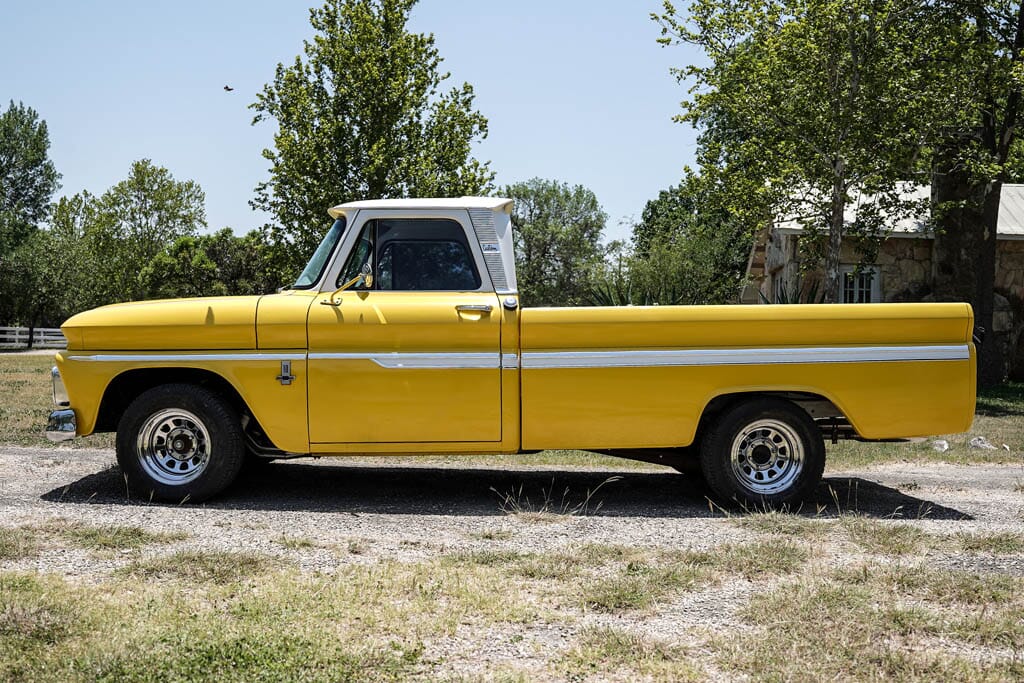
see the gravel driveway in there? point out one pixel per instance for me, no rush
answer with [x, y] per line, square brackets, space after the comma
[406, 510]
[330, 514]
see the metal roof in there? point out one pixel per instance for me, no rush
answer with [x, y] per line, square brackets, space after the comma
[493, 203]
[1011, 214]
[1011, 211]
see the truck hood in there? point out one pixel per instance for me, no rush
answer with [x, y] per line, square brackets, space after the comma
[226, 322]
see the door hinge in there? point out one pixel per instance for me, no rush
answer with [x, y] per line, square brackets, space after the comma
[286, 376]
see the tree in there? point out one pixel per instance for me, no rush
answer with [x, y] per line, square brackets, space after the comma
[360, 115]
[244, 264]
[28, 274]
[976, 155]
[688, 249]
[209, 265]
[133, 221]
[557, 233]
[28, 178]
[820, 106]
[181, 269]
[78, 260]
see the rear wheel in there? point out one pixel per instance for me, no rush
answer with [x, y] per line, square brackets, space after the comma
[764, 451]
[179, 442]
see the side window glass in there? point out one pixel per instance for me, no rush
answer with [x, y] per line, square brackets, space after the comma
[361, 254]
[424, 255]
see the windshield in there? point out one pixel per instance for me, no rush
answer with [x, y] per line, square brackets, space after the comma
[315, 268]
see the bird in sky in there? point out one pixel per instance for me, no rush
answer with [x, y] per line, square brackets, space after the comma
[228, 88]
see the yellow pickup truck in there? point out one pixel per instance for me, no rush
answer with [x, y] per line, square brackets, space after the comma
[404, 335]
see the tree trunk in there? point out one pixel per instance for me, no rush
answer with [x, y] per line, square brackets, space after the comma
[991, 355]
[833, 290]
[965, 214]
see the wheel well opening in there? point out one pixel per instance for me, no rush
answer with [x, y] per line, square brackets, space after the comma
[127, 386]
[823, 411]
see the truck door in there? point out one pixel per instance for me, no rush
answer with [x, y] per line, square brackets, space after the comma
[411, 354]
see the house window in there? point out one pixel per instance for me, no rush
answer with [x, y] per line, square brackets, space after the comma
[861, 287]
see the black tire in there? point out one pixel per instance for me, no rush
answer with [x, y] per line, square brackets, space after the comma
[763, 452]
[179, 443]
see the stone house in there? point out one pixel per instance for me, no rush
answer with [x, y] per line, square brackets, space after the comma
[902, 270]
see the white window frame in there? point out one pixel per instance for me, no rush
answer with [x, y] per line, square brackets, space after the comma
[875, 289]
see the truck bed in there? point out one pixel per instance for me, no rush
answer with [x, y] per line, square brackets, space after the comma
[640, 377]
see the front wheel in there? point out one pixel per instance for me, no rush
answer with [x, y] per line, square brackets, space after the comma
[765, 451]
[179, 442]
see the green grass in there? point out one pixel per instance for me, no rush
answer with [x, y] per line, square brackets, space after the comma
[237, 616]
[291, 630]
[600, 651]
[213, 616]
[105, 537]
[297, 543]
[1003, 543]
[491, 535]
[218, 567]
[27, 541]
[778, 523]
[880, 622]
[759, 561]
[612, 578]
[884, 537]
[17, 544]
[879, 537]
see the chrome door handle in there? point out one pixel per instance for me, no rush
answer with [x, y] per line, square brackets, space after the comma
[482, 308]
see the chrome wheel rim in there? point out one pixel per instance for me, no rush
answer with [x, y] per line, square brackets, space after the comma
[767, 456]
[173, 446]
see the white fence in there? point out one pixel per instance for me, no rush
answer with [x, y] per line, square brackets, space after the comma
[42, 338]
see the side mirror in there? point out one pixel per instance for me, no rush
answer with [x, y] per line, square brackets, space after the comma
[364, 279]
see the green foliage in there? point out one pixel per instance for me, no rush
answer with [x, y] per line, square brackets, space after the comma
[27, 181]
[30, 293]
[361, 115]
[181, 269]
[814, 109]
[95, 247]
[557, 233]
[975, 155]
[209, 265]
[677, 210]
[138, 240]
[136, 218]
[28, 178]
[803, 292]
[687, 250]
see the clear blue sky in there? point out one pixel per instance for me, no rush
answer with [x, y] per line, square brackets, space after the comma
[575, 90]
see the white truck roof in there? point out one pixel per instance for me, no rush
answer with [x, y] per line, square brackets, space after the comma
[492, 203]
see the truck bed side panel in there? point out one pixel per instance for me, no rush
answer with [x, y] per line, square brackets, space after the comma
[641, 377]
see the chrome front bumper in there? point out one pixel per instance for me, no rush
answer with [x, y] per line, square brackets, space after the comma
[61, 426]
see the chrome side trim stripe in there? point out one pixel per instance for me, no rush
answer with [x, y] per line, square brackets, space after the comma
[790, 355]
[419, 361]
[186, 357]
[579, 359]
